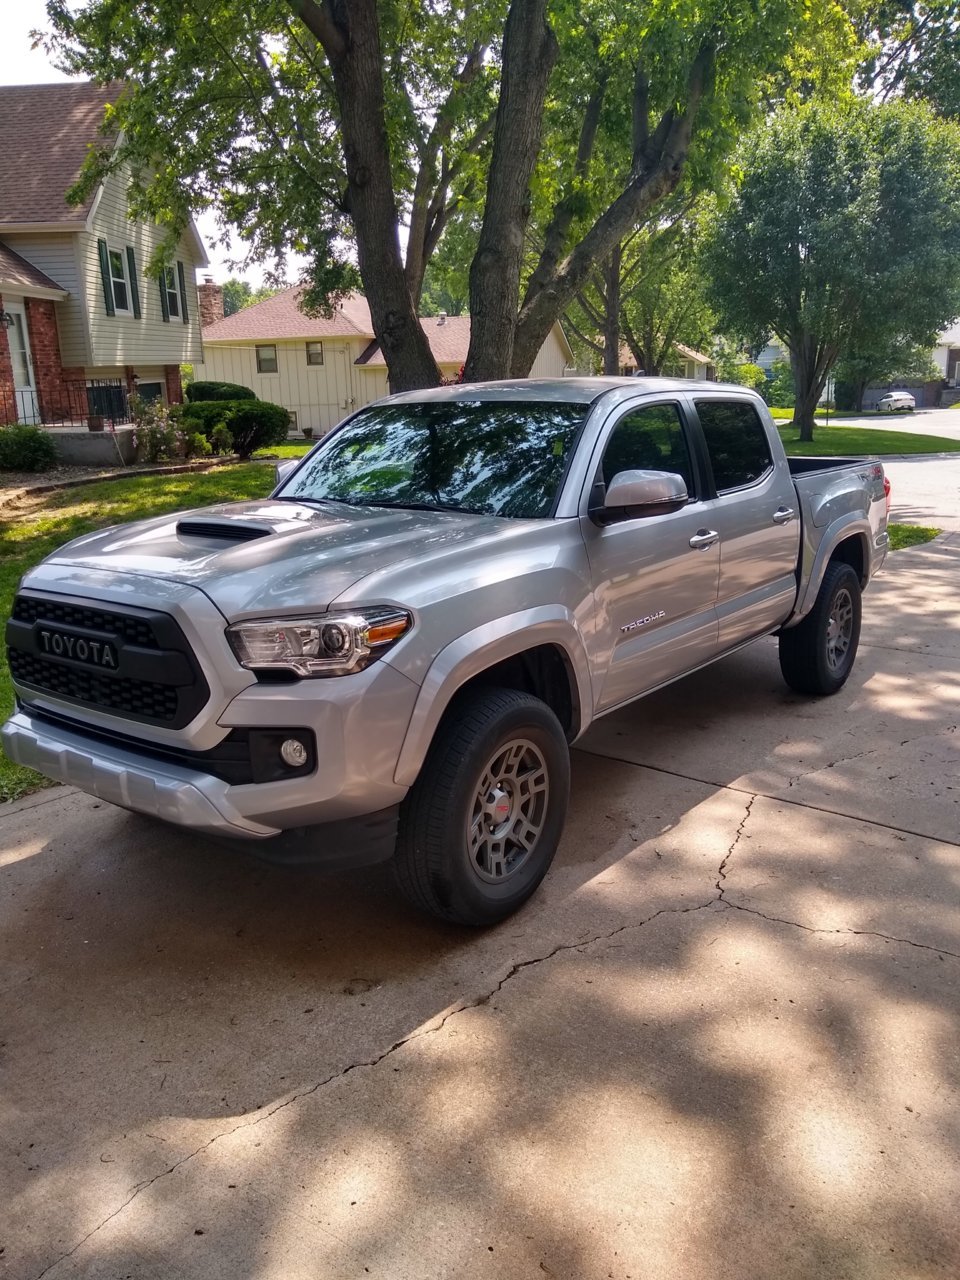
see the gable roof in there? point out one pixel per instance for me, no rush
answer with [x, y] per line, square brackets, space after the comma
[688, 353]
[17, 275]
[449, 342]
[45, 133]
[281, 317]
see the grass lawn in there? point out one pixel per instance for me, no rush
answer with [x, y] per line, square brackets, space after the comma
[832, 442]
[291, 450]
[26, 539]
[909, 535]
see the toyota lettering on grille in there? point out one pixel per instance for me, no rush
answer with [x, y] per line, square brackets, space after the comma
[92, 653]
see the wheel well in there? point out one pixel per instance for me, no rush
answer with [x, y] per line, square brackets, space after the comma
[546, 673]
[851, 552]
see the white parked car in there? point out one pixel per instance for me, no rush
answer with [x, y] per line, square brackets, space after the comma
[897, 402]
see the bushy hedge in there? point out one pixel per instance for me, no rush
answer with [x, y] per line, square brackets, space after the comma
[253, 424]
[201, 391]
[24, 448]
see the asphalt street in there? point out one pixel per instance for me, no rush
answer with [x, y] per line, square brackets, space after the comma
[720, 1044]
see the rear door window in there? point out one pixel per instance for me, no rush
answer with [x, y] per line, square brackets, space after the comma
[736, 442]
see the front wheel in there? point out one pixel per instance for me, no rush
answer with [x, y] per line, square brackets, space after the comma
[817, 655]
[481, 824]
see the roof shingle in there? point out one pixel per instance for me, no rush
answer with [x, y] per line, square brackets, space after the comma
[45, 133]
[281, 317]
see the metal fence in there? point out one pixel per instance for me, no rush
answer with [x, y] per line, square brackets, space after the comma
[92, 402]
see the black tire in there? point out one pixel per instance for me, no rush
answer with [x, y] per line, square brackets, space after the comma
[817, 655]
[437, 868]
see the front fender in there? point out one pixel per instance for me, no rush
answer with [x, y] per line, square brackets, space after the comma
[476, 651]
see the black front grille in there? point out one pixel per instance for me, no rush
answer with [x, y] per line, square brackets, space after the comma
[135, 630]
[140, 698]
[156, 679]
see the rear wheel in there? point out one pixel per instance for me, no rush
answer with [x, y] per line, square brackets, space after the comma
[817, 655]
[481, 825]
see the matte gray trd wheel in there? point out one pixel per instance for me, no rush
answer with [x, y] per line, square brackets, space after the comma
[818, 654]
[480, 826]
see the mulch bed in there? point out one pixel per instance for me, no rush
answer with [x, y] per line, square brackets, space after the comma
[17, 487]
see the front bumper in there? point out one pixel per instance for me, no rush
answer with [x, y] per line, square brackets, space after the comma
[188, 798]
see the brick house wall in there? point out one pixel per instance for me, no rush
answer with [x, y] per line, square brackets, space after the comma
[50, 377]
[172, 384]
[8, 401]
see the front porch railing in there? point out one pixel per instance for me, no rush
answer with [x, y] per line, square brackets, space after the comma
[94, 401]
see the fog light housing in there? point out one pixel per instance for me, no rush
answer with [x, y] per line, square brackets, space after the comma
[294, 753]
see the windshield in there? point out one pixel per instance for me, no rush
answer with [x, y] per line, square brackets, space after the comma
[483, 456]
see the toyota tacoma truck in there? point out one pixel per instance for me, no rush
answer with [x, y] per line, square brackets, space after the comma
[391, 656]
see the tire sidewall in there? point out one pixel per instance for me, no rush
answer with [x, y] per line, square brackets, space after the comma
[480, 899]
[838, 577]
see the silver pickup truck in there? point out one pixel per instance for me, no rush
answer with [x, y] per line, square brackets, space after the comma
[391, 655]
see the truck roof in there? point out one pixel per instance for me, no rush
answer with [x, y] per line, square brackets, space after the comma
[559, 390]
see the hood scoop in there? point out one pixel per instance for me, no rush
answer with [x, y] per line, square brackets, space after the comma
[222, 530]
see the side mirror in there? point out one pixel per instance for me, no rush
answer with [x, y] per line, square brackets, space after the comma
[631, 495]
[284, 468]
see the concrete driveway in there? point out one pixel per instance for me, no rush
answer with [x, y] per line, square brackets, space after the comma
[722, 1042]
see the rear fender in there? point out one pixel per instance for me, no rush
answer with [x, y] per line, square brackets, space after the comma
[475, 652]
[853, 525]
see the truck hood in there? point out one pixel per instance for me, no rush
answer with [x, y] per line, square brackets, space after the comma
[251, 558]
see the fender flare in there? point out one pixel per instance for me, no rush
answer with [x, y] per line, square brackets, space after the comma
[477, 650]
[852, 525]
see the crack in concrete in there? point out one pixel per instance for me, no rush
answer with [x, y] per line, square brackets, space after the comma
[859, 933]
[777, 797]
[418, 1034]
[738, 835]
[870, 751]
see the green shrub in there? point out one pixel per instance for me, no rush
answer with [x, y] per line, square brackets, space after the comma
[194, 444]
[252, 424]
[256, 424]
[749, 375]
[221, 439]
[156, 440]
[779, 389]
[208, 415]
[200, 391]
[24, 448]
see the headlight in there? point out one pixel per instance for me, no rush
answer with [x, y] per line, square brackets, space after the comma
[332, 644]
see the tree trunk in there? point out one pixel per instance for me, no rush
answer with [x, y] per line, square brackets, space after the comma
[611, 314]
[529, 52]
[860, 393]
[809, 379]
[350, 35]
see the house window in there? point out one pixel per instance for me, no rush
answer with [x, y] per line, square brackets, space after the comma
[118, 281]
[314, 353]
[169, 286]
[267, 359]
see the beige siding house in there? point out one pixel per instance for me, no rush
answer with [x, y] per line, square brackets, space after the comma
[84, 319]
[321, 369]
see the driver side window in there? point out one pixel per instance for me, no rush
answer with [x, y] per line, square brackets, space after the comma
[649, 439]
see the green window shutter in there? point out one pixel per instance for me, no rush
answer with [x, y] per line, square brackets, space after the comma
[164, 308]
[134, 287]
[105, 277]
[183, 293]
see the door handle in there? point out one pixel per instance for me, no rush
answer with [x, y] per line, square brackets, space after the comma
[704, 538]
[783, 515]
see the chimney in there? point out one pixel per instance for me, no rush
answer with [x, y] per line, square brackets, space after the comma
[211, 302]
[441, 318]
